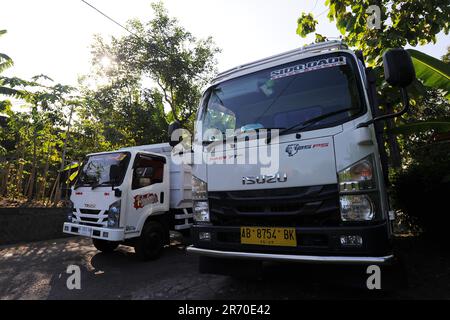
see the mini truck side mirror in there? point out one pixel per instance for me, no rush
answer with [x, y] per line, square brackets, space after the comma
[174, 126]
[399, 72]
[114, 172]
[398, 68]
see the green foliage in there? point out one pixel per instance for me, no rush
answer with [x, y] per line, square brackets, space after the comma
[431, 71]
[138, 84]
[412, 128]
[422, 188]
[306, 24]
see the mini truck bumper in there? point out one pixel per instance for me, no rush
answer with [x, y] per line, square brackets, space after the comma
[315, 245]
[94, 232]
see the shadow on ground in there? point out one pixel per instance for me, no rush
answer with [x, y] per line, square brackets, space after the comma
[38, 271]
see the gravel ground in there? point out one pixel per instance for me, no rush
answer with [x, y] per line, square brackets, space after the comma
[38, 271]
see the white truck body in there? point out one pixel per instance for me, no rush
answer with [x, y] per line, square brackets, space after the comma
[239, 206]
[169, 195]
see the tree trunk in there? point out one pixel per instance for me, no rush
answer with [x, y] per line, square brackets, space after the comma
[4, 180]
[19, 179]
[45, 173]
[31, 182]
[63, 156]
[394, 148]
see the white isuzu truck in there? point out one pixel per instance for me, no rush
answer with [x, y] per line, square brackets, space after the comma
[315, 110]
[133, 196]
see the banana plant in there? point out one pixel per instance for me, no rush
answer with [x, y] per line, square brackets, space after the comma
[433, 73]
[5, 63]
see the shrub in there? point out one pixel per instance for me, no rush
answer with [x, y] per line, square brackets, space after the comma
[422, 190]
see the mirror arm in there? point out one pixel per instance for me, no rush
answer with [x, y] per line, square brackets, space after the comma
[406, 108]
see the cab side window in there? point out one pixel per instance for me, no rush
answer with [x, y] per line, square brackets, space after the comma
[147, 171]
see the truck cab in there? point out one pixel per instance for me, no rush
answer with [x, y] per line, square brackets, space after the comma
[287, 161]
[133, 196]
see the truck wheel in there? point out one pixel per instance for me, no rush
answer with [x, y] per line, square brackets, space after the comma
[150, 244]
[105, 246]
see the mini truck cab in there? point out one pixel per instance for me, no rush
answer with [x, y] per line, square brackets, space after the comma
[326, 200]
[133, 196]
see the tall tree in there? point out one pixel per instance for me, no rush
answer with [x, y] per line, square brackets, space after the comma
[402, 22]
[177, 65]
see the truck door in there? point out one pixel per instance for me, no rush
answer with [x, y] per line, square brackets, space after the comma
[148, 188]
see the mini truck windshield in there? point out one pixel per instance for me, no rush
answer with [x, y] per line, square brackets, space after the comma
[96, 169]
[286, 96]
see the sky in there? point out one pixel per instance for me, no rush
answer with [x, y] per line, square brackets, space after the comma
[53, 36]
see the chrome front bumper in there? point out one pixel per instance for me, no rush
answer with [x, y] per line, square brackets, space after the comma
[290, 258]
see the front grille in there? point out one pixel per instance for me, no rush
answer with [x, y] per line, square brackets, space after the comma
[89, 211]
[92, 217]
[293, 207]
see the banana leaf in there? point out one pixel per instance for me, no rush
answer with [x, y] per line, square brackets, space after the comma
[432, 72]
[410, 128]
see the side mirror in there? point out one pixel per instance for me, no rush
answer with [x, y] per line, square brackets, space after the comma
[114, 172]
[398, 68]
[399, 72]
[174, 126]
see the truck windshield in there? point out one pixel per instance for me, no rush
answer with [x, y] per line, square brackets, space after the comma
[285, 96]
[96, 169]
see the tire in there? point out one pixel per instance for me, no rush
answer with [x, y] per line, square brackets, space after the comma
[105, 246]
[150, 244]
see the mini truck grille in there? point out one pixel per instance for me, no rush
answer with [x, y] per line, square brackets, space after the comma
[293, 207]
[91, 217]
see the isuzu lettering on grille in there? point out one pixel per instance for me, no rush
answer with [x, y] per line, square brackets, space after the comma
[278, 178]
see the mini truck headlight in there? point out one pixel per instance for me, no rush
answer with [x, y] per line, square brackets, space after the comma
[357, 208]
[358, 177]
[199, 189]
[114, 215]
[70, 211]
[357, 187]
[200, 200]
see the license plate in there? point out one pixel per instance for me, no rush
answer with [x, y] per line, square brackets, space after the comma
[85, 231]
[284, 237]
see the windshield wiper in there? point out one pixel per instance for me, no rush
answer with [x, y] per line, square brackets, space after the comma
[305, 124]
[237, 135]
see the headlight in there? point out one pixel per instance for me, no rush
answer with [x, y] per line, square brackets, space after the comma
[200, 200]
[201, 211]
[114, 215]
[199, 189]
[358, 177]
[357, 208]
[359, 199]
[70, 211]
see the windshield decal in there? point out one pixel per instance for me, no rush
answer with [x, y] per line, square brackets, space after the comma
[142, 200]
[309, 66]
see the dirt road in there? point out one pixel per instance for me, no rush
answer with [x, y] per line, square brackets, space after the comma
[38, 271]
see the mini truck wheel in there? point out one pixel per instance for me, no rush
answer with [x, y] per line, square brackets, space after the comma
[105, 246]
[150, 244]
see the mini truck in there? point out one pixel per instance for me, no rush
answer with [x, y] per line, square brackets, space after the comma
[328, 201]
[133, 196]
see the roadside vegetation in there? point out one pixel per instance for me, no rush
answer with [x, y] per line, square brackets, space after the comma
[139, 83]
